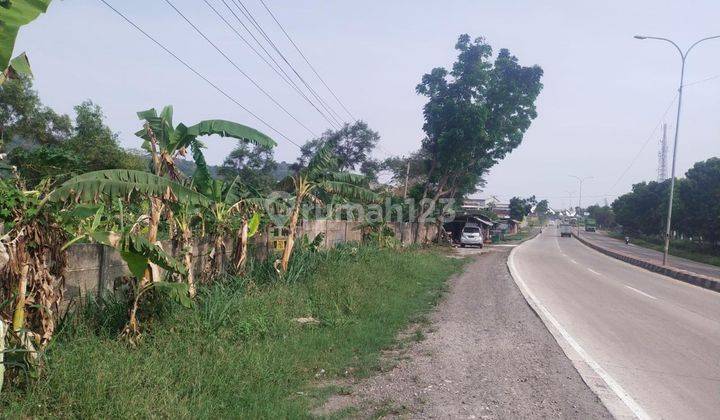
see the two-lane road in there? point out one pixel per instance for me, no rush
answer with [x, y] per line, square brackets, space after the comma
[655, 338]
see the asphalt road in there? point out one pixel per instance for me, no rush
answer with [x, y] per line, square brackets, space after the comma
[651, 254]
[654, 341]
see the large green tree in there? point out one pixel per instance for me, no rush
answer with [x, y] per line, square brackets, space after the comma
[521, 207]
[25, 120]
[643, 210]
[603, 215]
[352, 145]
[253, 163]
[699, 201]
[42, 143]
[476, 113]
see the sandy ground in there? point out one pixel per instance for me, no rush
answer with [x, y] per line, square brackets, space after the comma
[485, 354]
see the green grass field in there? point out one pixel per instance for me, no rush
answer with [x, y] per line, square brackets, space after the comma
[239, 353]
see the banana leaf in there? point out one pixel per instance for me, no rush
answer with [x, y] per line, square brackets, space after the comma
[230, 129]
[13, 15]
[118, 183]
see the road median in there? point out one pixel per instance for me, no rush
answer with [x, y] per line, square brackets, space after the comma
[696, 279]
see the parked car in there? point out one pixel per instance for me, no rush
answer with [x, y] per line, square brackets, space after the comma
[471, 235]
[565, 230]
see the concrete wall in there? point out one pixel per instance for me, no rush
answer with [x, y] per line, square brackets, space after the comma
[94, 268]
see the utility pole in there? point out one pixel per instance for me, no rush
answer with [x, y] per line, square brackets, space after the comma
[407, 178]
[683, 58]
[580, 180]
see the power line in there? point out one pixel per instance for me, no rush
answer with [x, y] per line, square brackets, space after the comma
[707, 79]
[307, 61]
[197, 73]
[248, 14]
[282, 75]
[202, 34]
[650, 137]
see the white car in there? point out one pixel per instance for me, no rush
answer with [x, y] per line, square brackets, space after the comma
[471, 235]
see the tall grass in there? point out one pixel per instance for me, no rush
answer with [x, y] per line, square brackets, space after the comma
[239, 352]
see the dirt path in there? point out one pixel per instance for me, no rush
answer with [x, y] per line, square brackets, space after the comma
[485, 355]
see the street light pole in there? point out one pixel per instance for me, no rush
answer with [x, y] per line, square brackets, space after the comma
[683, 57]
[580, 180]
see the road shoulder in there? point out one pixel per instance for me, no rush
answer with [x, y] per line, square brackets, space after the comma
[484, 353]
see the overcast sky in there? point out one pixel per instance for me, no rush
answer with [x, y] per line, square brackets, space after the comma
[605, 92]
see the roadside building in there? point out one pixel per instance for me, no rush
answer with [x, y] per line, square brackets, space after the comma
[455, 226]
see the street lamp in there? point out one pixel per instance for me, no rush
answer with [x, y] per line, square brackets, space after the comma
[580, 180]
[683, 57]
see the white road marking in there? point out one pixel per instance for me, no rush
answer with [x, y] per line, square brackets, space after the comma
[639, 412]
[573, 261]
[594, 272]
[641, 292]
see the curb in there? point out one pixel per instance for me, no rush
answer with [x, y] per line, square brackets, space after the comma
[676, 273]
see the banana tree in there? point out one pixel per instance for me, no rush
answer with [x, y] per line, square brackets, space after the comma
[230, 202]
[320, 175]
[166, 142]
[186, 215]
[140, 253]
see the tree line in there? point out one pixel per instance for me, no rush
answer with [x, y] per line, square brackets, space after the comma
[696, 208]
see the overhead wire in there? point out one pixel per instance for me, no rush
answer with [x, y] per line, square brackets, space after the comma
[307, 61]
[248, 15]
[647, 141]
[230, 60]
[278, 70]
[198, 74]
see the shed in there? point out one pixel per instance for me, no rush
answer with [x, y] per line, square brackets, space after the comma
[454, 227]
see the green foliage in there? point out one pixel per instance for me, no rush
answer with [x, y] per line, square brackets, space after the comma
[603, 215]
[351, 145]
[43, 144]
[239, 353]
[34, 165]
[25, 122]
[13, 203]
[542, 207]
[254, 164]
[644, 209]
[118, 183]
[521, 207]
[699, 201]
[172, 142]
[476, 114]
[13, 15]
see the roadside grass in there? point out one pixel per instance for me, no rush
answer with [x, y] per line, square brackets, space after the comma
[239, 353]
[522, 234]
[682, 249]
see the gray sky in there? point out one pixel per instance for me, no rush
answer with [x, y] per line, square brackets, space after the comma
[604, 91]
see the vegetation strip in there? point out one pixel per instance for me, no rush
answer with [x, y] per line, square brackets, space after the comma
[242, 351]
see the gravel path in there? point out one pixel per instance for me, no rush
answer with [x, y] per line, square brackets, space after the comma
[485, 355]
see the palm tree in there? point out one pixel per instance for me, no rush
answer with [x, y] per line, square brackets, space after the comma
[320, 175]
